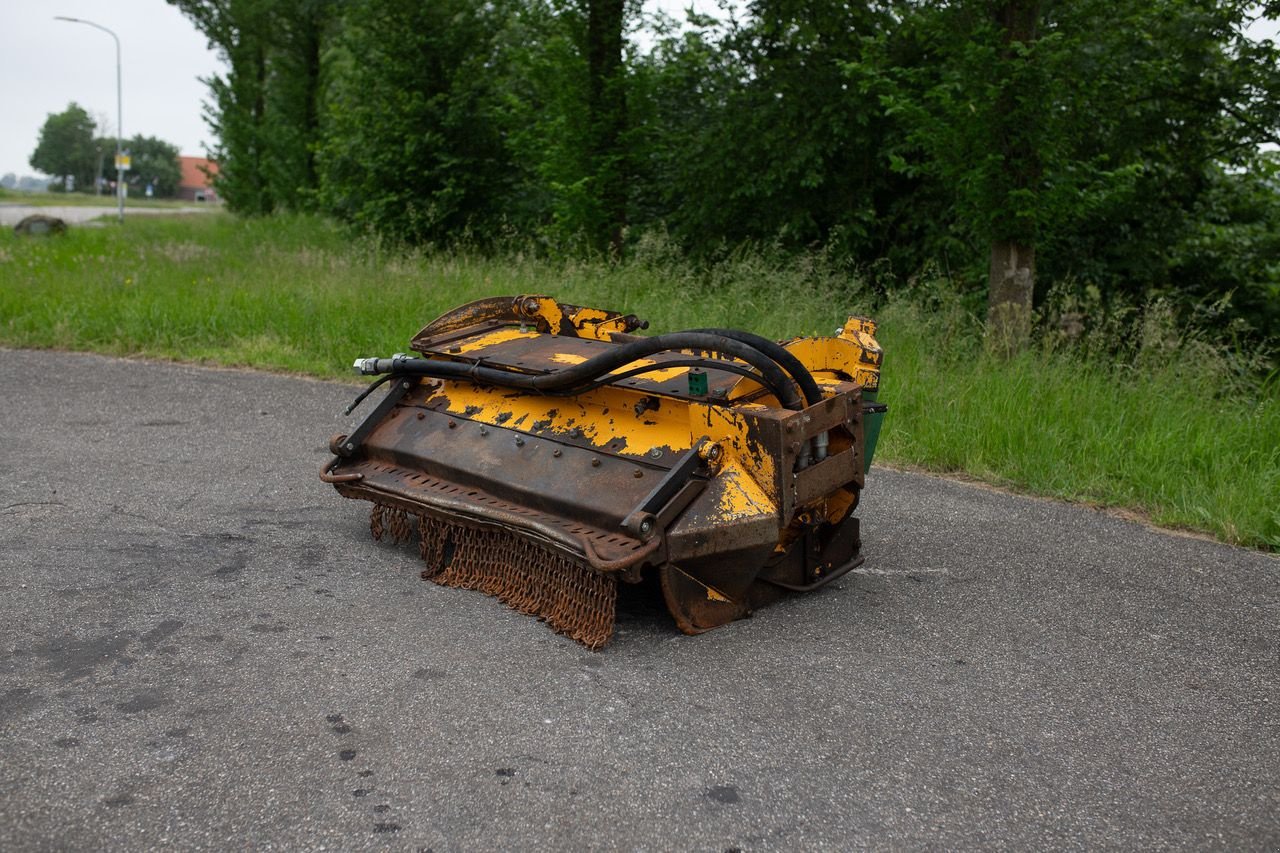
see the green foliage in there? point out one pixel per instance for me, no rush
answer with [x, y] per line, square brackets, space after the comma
[1120, 140]
[608, 163]
[413, 148]
[303, 32]
[541, 114]
[66, 146]
[240, 31]
[266, 110]
[152, 161]
[752, 131]
[565, 120]
[1110, 139]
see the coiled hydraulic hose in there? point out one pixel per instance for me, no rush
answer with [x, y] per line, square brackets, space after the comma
[794, 367]
[705, 363]
[594, 368]
[788, 362]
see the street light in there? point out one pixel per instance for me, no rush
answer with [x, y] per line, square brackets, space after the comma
[119, 108]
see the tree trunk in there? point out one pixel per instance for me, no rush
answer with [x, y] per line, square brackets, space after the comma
[1011, 282]
[1012, 277]
[607, 114]
[311, 118]
[259, 120]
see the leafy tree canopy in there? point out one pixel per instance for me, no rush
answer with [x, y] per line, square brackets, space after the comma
[1117, 147]
[153, 162]
[66, 147]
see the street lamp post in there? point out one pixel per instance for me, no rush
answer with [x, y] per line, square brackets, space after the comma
[119, 109]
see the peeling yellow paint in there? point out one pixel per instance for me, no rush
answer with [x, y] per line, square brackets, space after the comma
[585, 318]
[723, 423]
[746, 482]
[498, 336]
[746, 474]
[661, 374]
[741, 497]
[853, 356]
[592, 323]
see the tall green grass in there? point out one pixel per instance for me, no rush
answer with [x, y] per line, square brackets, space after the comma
[1171, 430]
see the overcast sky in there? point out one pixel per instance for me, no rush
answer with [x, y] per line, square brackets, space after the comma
[47, 64]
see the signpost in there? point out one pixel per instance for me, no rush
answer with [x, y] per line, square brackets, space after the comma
[122, 159]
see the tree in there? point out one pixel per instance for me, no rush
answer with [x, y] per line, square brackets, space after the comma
[266, 110]
[239, 30]
[153, 162]
[752, 131]
[412, 147]
[66, 148]
[302, 32]
[1017, 143]
[1015, 128]
[607, 119]
[564, 89]
[1061, 133]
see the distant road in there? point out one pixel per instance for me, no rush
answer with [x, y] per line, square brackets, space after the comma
[12, 214]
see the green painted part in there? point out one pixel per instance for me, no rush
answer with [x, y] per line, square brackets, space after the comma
[871, 424]
[697, 383]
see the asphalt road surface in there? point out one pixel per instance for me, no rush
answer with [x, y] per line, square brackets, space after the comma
[201, 647]
[12, 214]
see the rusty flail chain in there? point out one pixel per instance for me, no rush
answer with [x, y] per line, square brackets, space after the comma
[571, 598]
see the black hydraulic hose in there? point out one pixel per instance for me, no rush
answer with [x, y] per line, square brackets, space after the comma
[708, 363]
[777, 352]
[593, 368]
[797, 370]
[596, 367]
[373, 386]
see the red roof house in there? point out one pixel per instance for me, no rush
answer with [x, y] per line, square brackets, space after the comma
[196, 183]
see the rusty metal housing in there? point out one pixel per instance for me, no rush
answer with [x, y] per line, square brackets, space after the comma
[543, 452]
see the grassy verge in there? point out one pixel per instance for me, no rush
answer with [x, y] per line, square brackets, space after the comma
[1158, 435]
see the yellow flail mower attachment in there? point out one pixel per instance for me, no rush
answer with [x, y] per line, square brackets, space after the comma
[543, 452]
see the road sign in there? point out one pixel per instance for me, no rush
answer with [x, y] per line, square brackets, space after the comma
[122, 161]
